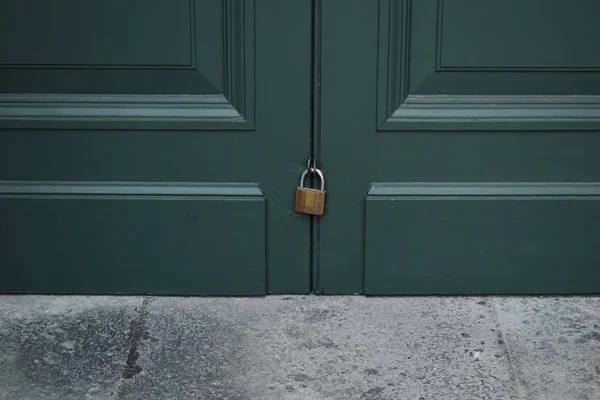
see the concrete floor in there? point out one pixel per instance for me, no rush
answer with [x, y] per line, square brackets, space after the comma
[299, 347]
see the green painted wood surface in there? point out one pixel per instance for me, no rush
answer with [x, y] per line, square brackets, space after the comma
[132, 239]
[403, 99]
[487, 238]
[96, 33]
[400, 102]
[542, 35]
[240, 114]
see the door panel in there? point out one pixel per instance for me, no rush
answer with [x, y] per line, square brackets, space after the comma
[199, 75]
[97, 33]
[164, 138]
[132, 238]
[449, 239]
[468, 34]
[527, 91]
[438, 94]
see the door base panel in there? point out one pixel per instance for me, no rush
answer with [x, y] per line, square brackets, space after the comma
[482, 238]
[132, 238]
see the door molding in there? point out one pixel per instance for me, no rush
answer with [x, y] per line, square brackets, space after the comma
[230, 106]
[399, 108]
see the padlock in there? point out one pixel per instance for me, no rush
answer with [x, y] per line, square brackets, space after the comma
[310, 201]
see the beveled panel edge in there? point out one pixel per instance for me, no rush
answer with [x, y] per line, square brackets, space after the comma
[93, 111]
[494, 189]
[239, 21]
[523, 113]
[153, 189]
[393, 57]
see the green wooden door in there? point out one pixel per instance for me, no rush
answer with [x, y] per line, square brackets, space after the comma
[460, 139]
[154, 146]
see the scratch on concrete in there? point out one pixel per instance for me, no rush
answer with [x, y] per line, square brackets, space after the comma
[520, 388]
[137, 332]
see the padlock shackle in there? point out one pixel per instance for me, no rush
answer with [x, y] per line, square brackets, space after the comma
[315, 171]
[321, 177]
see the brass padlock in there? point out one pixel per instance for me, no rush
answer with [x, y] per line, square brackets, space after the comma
[311, 201]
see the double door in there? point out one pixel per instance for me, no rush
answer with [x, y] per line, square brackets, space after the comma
[155, 146]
